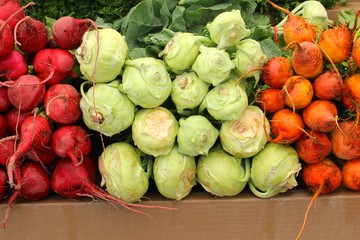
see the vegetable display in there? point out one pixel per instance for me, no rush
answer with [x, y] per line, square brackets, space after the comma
[222, 103]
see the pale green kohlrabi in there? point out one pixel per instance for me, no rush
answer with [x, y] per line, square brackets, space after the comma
[196, 135]
[105, 109]
[174, 174]
[146, 81]
[248, 59]
[222, 174]
[227, 29]
[182, 49]
[125, 171]
[213, 65]
[225, 102]
[188, 91]
[274, 170]
[154, 130]
[102, 54]
[245, 136]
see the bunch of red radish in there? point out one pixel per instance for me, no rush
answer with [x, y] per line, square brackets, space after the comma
[314, 107]
[44, 147]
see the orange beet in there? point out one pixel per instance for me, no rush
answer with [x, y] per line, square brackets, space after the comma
[351, 174]
[298, 92]
[328, 85]
[270, 100]
[320, 115]
[345, 140]
[350, 95]
[355, 52]
[276, 71]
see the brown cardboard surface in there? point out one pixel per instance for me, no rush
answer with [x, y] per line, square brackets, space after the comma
[199, 216]
[351, 4]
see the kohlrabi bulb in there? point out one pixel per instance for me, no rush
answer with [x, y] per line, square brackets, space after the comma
[181, 51]
[196, 135]
[213, 65]
[122, 171]
[227, 29]
[146, 82]
[154, 130]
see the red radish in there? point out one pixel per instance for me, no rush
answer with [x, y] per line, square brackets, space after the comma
[328, 85]
[296, 28]
[14, 119]
[71, 141]
[3, 126]
[35, 132]
[7, 148]
[320, 115]
[34, 185]
[68, 31]
[62, 103]
[6, 40]
[5, 103]
[72, 181]
[298, 92]
[4, 188]
[44, 155]
[307, 59]
[276, 71]
[9, 8]
[351, 174]
[336, 42]
[345, 140]
[350, 95]
[7, 70]
[30, 35]
[320, 178]
[286, 126]
[313, 147]
[355, 52]
[27, 92]
[270, 100]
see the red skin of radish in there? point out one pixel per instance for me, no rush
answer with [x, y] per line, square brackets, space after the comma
[345, 140]
[34, 185]
[44, 155]
[53, 65]
[7, 70]
[27, 92]
[298, 92]
[320, 115]
[14, 120]
[35, 132]
[7, 145]
[276, 71]
[350, 95]
[270, 100]
[31, 35]
[3, 126]
[71, 141]
[307, 59]
[62, 103]
[328, 85]
[68, 32]
[4, 188]
[286, 126]
[336, 42]
[351, 174]
[6, 41]
[355, 52]
[5, 103]
[313, 147]
[72, 181]
[296, 28]
[9, 7]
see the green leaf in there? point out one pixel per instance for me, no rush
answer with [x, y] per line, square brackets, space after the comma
[270, 48]
[178, 21]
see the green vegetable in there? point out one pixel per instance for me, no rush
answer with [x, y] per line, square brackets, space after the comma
[102, 55]
[122, 172]
[222, 174]
[154, 131]
[105, 109]
[182, 49]
[146, 82]
[225, 102]
[227, 29]
[188, 91]
[213, 65]
[174, 174]
[196, 135]
[274, 170]
[245, 136]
